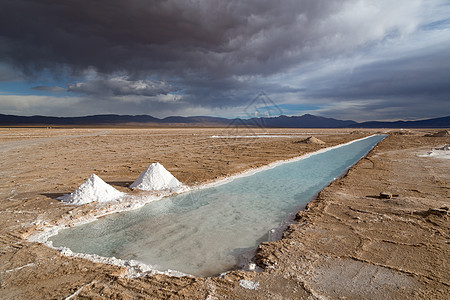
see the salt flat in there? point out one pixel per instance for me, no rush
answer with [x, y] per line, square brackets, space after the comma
[350, 243]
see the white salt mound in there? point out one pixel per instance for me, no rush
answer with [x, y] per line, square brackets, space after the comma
[93, 189]
[156, 177]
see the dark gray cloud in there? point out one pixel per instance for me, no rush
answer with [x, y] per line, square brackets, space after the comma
[6, 74]
[181, 38]
[420, 74]
[217, 54]
[53, 89]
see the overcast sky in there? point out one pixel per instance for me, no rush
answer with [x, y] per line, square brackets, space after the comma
[359, 60]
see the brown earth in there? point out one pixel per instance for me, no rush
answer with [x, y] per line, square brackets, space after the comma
[349, 243]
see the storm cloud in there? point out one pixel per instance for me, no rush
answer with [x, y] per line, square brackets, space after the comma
[220, 38]
[220, 53]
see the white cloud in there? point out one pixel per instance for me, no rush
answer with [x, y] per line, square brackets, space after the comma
[121, 86]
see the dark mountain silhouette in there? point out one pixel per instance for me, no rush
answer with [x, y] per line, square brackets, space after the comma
[194, 120]
[304, 121]
[88, 120]
[443, 122]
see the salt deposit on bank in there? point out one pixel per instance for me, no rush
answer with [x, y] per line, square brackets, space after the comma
[155, 178]
[93, 189]
[442, 152]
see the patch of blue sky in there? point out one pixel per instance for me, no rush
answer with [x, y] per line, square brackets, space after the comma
[39, 88]
[436, 25]
[43, 84]
[15, 88]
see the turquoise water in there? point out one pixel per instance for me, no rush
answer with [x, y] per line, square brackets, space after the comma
[204, 232]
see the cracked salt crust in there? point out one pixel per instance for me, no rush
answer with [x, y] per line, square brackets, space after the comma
[248, 284]
[126, 203]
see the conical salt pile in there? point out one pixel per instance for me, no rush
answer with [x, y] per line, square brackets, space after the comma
[156, 177]
[93, 189]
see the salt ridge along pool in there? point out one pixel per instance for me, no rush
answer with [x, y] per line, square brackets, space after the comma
[204, 232]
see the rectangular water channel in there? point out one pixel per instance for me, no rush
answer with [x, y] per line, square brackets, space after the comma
[203, 232]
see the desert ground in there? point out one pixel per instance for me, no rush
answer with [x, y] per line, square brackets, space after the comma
[349, 243]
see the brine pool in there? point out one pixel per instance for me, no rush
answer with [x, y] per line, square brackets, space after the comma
[206, 232]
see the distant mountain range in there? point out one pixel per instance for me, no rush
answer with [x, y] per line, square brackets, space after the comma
[443, 122]
[304, 121]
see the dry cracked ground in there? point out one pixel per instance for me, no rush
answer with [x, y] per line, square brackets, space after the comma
[348, 244]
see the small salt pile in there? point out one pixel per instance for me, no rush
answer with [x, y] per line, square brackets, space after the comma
[311, 140]
[93, 189]
[314, 140]
[156, 177]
